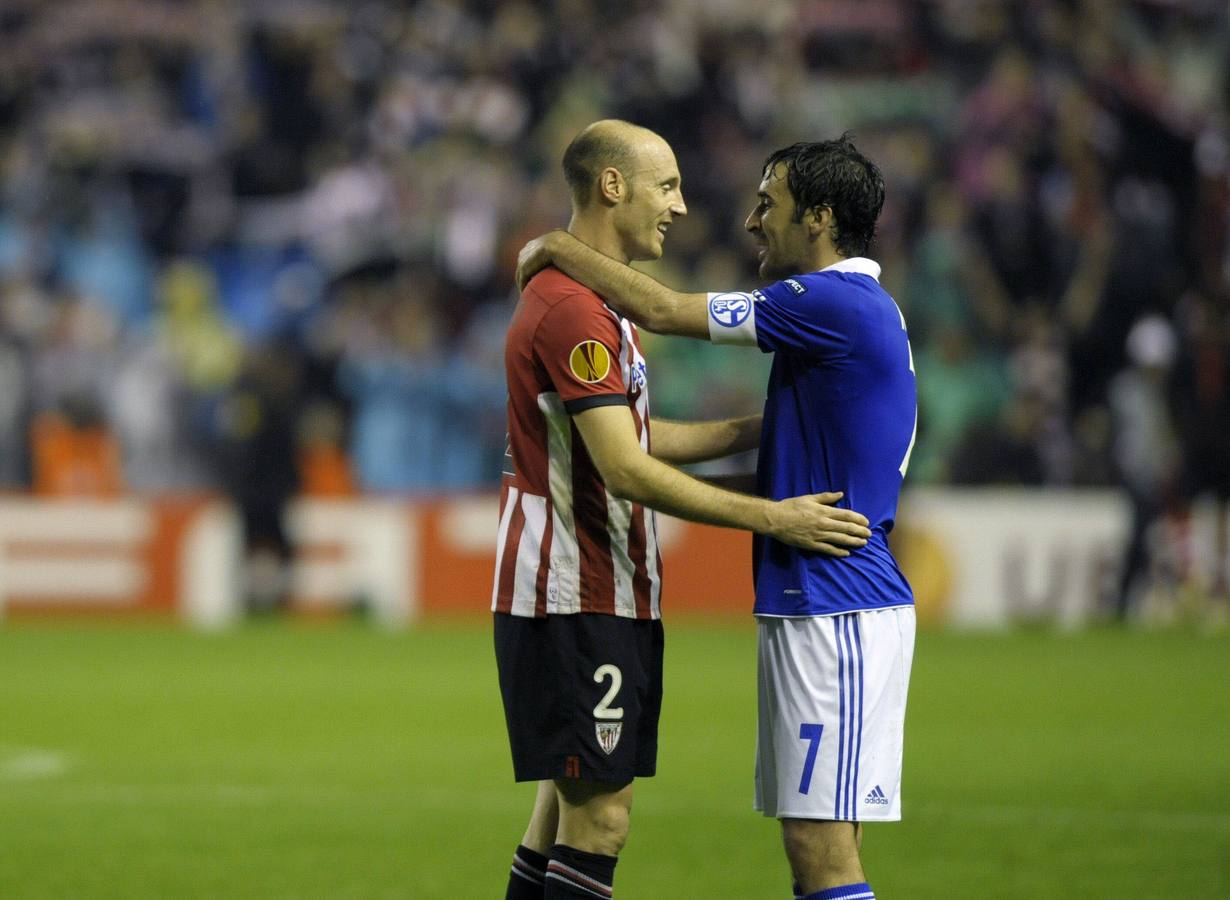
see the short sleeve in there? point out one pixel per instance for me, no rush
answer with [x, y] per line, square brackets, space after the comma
[578, 343]
[812, 315]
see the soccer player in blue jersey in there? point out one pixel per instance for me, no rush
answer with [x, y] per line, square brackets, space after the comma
[835, 636]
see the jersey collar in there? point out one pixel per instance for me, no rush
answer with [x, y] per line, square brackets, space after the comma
[859, 265]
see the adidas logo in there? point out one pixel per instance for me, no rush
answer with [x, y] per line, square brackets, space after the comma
[876, 796]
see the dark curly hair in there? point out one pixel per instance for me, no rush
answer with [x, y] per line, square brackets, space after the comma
[836, 175]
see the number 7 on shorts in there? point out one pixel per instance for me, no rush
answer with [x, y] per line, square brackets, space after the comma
[809, 731]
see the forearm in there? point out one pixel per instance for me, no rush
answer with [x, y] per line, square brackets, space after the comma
[651, 483]
[631, 474]
[631, 293]
[688, 442]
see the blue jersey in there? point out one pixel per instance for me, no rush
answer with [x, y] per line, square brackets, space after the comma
[840, 415]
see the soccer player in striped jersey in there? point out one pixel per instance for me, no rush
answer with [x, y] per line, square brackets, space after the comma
[835, 635]
[578, 635]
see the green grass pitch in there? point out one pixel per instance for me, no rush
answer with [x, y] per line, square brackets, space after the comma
[336, 761]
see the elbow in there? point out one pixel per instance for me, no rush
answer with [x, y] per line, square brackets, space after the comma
[658, 317]
[618, 485]
[620, 482]
[652, 320]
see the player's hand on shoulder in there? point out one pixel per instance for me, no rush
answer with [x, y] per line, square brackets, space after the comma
[813, 523]
[533, 258]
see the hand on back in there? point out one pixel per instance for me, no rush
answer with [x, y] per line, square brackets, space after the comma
[813, 523]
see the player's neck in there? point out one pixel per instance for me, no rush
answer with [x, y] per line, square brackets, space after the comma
[597, 233]
[825, 257]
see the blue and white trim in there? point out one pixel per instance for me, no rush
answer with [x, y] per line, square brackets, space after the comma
[850, 687]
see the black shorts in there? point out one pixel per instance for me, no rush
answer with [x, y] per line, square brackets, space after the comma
[582, 694]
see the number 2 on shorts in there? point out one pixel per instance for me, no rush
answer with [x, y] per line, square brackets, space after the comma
[603, 709]
[809, 731]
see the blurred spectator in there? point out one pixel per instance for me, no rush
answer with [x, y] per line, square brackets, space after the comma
[149, 410]
[393, 373]
[256, 445]
[183, 183]
[960, 387]
[1003, 450]
[12, 415]
[74, 454]
[102, 258]
[324, 467]
[1203, 403]
[1145, 447]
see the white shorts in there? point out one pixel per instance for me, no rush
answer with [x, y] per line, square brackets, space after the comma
[832, 695]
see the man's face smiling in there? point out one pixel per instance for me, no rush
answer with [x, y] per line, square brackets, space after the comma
[784, 243]
[655, 198]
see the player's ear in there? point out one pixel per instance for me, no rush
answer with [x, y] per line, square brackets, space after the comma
[612, 188]
[818, 220]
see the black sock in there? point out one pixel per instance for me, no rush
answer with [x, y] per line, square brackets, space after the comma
[575, 873]
[525, 880]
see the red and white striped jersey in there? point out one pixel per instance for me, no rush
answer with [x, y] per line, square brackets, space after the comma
[565, 544]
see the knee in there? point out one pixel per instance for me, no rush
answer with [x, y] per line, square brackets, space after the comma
[595, 821]
[826, 848]
[609, 828]
[799, 842]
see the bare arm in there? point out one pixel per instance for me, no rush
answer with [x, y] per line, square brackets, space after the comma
[631, 293]
[630, 473]
[688, 442]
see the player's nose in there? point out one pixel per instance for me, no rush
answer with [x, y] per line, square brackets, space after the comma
[679, 208]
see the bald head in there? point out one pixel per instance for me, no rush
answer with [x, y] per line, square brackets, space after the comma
[606, 144]
[626, 189]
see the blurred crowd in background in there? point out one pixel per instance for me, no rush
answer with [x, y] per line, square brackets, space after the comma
[268, 246]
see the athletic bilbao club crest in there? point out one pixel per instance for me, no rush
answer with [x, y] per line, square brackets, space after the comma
[608, 735]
